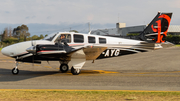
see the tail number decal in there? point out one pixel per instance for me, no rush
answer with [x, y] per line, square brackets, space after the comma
[111, 52]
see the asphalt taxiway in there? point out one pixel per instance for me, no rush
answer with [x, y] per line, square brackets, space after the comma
[154, 70]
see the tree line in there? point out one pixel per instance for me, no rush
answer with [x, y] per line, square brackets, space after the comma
[175, 39]
[10, 36]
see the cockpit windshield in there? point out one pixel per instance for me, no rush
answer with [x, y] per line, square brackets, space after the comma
[50, 36]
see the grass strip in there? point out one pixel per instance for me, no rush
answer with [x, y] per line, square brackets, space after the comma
[78, 95]
[178, 45]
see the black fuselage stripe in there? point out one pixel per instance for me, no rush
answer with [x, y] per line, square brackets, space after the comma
[21, 55]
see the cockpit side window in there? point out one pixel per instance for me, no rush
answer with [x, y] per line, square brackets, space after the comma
[66, 37]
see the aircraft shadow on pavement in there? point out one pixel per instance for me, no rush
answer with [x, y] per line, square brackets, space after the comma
[6, 75]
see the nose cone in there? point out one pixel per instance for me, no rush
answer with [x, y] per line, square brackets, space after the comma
[8, 51]
[4, 51]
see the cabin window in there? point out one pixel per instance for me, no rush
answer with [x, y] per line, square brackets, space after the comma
[102, 40]
[66, 37]
[78, 38]
[91, 39]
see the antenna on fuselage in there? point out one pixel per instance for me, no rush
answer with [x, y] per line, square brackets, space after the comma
[89, 26]
[89, 32]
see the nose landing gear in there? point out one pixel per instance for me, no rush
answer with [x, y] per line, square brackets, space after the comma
[15, 70]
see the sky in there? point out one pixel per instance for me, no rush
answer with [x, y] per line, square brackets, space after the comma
[46, 16]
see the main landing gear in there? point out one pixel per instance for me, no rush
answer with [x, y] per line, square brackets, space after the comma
[75, 71]
[15, 70]
[64, 68]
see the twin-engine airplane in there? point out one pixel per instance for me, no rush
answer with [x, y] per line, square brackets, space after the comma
[76, 48]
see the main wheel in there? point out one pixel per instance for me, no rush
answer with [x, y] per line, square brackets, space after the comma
[64, 68]
[74, 71]
[15, 71]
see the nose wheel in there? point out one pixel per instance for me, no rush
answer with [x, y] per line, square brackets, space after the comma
[15, 70]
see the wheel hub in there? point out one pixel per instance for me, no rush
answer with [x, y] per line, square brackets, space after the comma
[64, 68]
[15, 71]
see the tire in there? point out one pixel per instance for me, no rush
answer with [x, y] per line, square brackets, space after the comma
[15, 71]
[64, 68]
[74, 71]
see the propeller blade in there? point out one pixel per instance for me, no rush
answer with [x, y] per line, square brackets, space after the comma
[33, 60]
[32, 43]
[48, 62]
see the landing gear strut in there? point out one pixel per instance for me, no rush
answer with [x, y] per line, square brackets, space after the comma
[64, 68]
[15, 70]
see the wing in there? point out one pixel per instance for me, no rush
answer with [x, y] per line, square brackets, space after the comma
[54, 52]
[91, 52]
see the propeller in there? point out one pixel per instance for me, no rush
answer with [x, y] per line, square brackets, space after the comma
[34, 51]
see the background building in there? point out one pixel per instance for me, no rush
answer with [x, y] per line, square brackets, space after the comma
[122, 30]
[174, 30]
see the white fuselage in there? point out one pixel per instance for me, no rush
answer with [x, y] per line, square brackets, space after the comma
[19, 49]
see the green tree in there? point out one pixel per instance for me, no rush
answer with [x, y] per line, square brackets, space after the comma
[4, 35]
[133, 34]
[21, 32]
[35, 37]
[74, 31]
[41, 37]
[46, 35]
[173, 38]
[11, 40]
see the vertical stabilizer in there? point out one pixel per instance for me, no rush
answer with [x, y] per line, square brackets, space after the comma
[156, 31]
